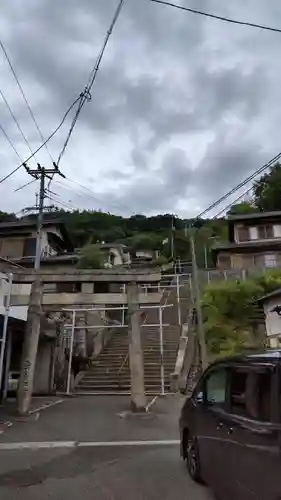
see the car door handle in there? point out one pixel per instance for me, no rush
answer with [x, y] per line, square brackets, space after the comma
[219, 426]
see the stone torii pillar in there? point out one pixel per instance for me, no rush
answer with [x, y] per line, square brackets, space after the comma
[138, 399]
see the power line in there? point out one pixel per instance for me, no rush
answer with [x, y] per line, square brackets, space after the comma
[87, 92]
[57, 199]
[233, 203]
[220, 18]
[24, 97]
[95, 198]
[10, 142]
[25, 185]
[240, 185]
[16, 122]
[45, 142]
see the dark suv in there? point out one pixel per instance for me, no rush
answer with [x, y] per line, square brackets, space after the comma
[231, 428]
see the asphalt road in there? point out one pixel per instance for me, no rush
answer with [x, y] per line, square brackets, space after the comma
[83, 469]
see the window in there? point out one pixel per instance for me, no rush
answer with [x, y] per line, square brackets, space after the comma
[67, 287]
[198, 392]
[216, 387]
[250, 393]
[259, 261]
[265, 232]
[270, 260]
[277, 230]
[243, 233]
[253, 233]
[50, 287]
[29, 247]
[224, 261]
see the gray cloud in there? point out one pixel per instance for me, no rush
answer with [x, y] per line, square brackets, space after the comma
[180, 101]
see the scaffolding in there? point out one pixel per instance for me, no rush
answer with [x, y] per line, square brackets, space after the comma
[72, 326]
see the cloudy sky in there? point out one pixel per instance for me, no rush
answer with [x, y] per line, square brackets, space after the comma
[183, 107]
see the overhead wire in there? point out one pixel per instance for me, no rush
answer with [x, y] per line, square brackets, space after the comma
[57, 199]
[25, 185]
[87, 91]
[24, 96]
[16, 122]
[220, 18]
[10, 142]
[45, 142]
[240, 185]
[92, 194]
[239, 198]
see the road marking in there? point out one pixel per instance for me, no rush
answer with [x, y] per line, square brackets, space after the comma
[95, 444]
[148, 406]
[37, 445]
[83, 444]
[45, 406]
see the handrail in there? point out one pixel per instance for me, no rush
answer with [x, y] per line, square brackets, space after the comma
[122, 366]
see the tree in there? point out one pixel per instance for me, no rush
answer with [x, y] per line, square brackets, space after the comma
[267, 190]
[4, 217]
[242, 208]
[91, 257]
[229, 308]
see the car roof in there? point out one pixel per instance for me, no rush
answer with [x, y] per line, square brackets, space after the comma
[266, 356]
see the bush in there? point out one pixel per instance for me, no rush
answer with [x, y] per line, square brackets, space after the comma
[160, 261]
[91, 257]
[228, 307]
[269, 281]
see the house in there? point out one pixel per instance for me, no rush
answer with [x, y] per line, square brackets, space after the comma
[254, 242]
[147, 255]
[16, 327]
[18, 241]
[271, 304]
[116, 254]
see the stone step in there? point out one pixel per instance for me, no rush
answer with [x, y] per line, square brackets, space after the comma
[149, 387]
[150, 380]
[147, 371]
[126, 373]
[151, 390]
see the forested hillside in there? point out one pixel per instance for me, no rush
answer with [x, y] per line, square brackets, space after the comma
[143, 232]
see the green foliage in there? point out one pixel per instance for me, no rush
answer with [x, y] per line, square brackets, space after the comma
[269, 280]
[161, 261]
[242, 208]
[91, 257]
[267, 190]
[228, 307]
[4, 217]
[144, 241]
[138, 231]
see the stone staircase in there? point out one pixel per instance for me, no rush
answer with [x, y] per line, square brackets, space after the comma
[111, 373]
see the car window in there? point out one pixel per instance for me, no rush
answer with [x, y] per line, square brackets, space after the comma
[216, 387]
[197, 394]
[250, 394]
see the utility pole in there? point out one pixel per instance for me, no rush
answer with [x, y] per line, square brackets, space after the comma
[206, 249]
[32, 333]
[200, 325]
[172, 239]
